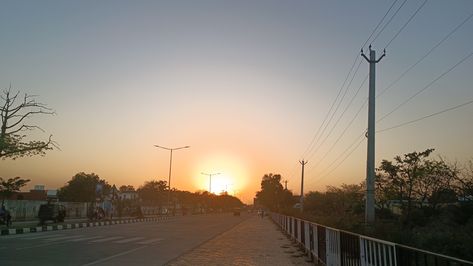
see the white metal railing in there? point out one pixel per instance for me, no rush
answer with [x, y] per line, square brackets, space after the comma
[330, 246]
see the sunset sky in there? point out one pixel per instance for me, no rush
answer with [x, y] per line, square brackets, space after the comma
[247, 84]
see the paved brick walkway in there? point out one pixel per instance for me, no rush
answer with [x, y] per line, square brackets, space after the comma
[255, 241]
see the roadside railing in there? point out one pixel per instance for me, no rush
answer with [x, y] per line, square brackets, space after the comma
[333, 247]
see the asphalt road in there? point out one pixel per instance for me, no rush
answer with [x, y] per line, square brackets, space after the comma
[145, 243]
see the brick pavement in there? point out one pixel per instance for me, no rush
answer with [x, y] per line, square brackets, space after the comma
[255, 241]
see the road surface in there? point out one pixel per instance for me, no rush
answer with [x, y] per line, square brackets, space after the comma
[145, 243]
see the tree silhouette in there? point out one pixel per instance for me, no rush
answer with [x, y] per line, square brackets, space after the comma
[11, 185]
[272, 193]
[14, 112]
[83, 188]
[153, 191]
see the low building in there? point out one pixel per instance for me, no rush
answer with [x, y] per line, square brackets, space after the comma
[128, 195]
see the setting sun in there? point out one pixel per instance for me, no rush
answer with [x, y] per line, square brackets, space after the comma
[229, 173]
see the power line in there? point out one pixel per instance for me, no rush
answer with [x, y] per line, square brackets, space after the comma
[427, 116]
[343, 153]
[446, 37]
[316, 137]
[409, 122]
[333, 114]
[346, 157]
[383, 130]
[394, 37]
[379, 24]
[349, 124]
[427, 86]
[408, 21]
[400, 77]
[389, 21]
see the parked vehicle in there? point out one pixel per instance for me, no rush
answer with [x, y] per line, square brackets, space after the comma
[52, 212]
[5, 217]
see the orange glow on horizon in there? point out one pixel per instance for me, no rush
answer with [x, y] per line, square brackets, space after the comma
[233, 175]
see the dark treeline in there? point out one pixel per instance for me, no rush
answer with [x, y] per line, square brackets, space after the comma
[85, 187]
[421, 202]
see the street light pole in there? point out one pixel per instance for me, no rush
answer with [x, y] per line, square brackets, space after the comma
[210, 180]
[170, 167]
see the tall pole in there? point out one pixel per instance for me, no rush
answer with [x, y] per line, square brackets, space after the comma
[370, 170]
[302, 185]
[210, 180]
[285, 184]
[169, 177]
[170, 168]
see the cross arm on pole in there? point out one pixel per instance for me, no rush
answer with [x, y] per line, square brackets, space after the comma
[363, 54]
[381, 57]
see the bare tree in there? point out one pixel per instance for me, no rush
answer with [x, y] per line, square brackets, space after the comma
[15, 111]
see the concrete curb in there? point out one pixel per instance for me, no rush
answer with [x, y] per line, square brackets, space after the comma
[57, 227]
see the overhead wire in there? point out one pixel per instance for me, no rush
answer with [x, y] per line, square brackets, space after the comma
[408, 21]
[316, 136]
[446, 37]
[410, 98]
[314, 143]
[426, 87]
[324, 125]
[348, 125]
[455, 29]
[425, 117]
[379, 23]
[389, 21]
[333, 114]
[359, 139]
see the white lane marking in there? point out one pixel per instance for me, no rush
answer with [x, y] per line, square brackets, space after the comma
[84, 238]
[40, 245]
[150, 241]
[128, 240]
[106, 239]
[114, 256]
[60, 238]
[43, 236]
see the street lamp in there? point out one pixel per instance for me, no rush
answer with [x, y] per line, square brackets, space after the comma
[170, 164]
[210, 179]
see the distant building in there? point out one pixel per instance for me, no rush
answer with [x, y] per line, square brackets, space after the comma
[31, 195]
[128, 195]
[39, 187]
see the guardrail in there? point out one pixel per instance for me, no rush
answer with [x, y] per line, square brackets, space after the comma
[334, 247]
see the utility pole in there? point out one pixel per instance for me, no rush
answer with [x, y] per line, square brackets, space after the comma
[370, 170]
[285, 184]
[210, 180]
[170, 168]
[302, 185]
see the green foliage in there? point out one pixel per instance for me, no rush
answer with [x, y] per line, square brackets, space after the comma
[153, 191]
[14, 112]
[340, 207]
[272, 195]
[428, 192]
[11, 185]
[415, 181]
[207, 201]
[83, 188]
[125, 188]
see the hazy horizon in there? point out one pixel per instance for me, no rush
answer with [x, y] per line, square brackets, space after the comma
[246, 84]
